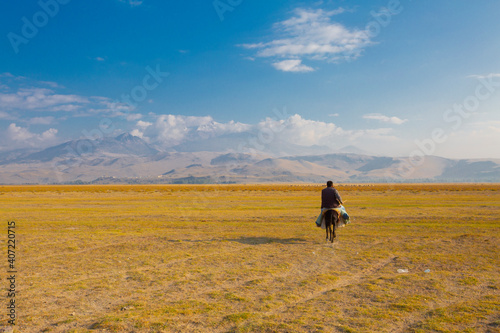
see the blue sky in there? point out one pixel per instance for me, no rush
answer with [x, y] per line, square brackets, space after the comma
[389, 77]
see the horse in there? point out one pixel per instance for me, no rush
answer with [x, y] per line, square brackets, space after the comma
[332, 218]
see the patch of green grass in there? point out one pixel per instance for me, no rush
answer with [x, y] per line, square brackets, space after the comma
[264, 327]
[347, 329]
[112, 324]
[234, 297]
[469, 281]
[237, 317]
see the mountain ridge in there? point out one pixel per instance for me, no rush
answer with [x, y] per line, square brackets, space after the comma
[129, 159]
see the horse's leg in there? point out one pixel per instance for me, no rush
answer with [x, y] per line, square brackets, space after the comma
[335, 222]
[332, 233]
[332, 226]
[326, 224]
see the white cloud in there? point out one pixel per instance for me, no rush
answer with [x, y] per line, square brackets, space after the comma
[134, 116]
[213, 128]
[40, 99]
[23, 94]
[17, 137]
[300, 131]
[24, 100]
[41, 121]
[292, 65]
[66, 108]
[18, 133]
[132, 3]
[114, 108]
[488, 76]
[49, 134]
[137, 133]
[51, 84]
[313, 35]
[304, 132]
[141, 127]
[143, 124]
[385, 119]
[170, 130]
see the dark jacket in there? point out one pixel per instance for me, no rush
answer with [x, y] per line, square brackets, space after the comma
[330, 198]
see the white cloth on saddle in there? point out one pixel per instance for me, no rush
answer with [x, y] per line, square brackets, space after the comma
[320, 221]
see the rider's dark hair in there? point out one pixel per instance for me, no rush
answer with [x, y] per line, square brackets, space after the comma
[329, 183]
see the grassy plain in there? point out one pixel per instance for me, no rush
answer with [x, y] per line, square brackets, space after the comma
[248, 258]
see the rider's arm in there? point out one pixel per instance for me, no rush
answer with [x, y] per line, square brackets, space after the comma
[338, 197]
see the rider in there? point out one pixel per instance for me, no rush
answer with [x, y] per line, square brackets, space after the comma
[330, 197]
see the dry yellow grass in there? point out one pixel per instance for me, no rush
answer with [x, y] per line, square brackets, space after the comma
[248, 258]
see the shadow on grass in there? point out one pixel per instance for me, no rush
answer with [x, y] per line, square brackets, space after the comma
[266, 240]
[243, 240]
[193, 240]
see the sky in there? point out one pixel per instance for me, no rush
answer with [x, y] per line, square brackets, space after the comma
[390, 77]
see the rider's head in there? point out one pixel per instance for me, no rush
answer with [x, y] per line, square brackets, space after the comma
[329, 183]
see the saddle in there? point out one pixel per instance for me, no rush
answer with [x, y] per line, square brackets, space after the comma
[343, 218]
[338, 211]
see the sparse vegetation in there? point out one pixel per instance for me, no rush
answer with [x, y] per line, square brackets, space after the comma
[248, 258]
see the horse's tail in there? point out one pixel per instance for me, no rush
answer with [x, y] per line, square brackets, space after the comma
[328, 218]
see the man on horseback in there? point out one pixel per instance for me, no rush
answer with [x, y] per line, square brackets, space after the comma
[332, 214]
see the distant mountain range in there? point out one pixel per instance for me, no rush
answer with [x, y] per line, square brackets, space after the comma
[129, 159]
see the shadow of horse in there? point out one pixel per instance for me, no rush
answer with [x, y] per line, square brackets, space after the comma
[266, 240]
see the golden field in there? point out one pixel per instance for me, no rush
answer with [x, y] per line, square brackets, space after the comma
[249, 258]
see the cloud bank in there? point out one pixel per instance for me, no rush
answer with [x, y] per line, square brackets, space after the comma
[168, 131]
